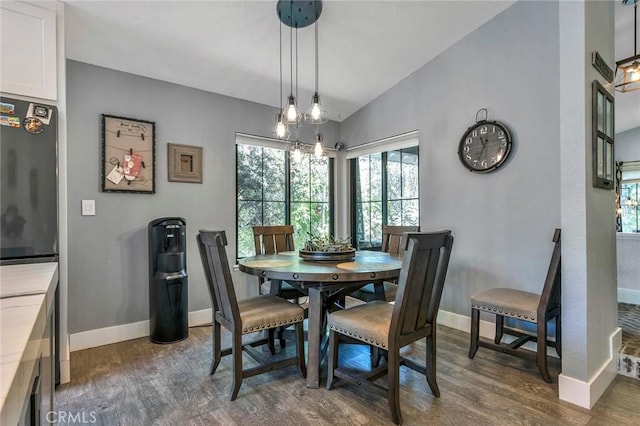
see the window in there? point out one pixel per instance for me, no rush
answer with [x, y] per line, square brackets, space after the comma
[628, 173]
[385, 191]
[629, 198]
[274, 190]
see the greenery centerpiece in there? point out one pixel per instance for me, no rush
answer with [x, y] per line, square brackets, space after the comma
[327, 248]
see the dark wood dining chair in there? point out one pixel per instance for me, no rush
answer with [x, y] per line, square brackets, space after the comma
[392, 326]
[392, 242]
[257, 314]
[272, 240]
[524, 306]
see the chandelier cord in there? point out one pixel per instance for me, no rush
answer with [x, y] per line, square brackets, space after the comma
[296, 61]
[280, 94]
[291, 53]
[316, 26]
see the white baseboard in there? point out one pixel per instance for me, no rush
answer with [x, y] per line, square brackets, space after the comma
[463, 323]
[586, 394]
[65, 371]
[626, 295]
[120, 333]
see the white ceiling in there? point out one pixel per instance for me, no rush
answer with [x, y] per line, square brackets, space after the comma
[231, 47]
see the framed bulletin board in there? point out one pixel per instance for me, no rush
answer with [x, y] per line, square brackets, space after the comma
[128, 155]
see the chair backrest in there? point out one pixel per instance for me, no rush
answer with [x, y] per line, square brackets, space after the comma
[392, 238]
[424, 268]
[551, 292]
[213, 254]
[273, 239]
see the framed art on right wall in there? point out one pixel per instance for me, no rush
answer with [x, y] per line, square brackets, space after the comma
[602, 134]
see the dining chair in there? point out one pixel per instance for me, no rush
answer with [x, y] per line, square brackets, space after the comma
[272, 240]
[392, 326]
[523, 306]
[392, 242]
[256, 314]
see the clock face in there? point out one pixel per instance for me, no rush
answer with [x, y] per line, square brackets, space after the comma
[485, 146]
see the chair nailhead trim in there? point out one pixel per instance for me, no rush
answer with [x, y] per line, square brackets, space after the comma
[493, 310]
[357, 336]
[272, 325]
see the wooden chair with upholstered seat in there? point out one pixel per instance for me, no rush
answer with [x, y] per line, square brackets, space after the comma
[257, 314]
[524, 306]
[392, 326]
[392, 242]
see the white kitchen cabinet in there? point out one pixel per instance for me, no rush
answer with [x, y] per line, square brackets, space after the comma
[28, 50]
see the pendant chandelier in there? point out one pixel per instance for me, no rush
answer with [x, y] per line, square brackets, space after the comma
[297, 14]
[628, 70]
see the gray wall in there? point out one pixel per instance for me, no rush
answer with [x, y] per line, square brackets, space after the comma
[627, 145]
[503, 222]
[108, 282]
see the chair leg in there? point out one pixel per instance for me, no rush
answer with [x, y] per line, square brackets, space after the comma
[499, 329]
[236, 353]
[333, 358]
[559, 335]
[393, 391]
[215, 343]
[281, 339]
[541, 356]
[302, 368]
[475, 332]
[271, 341]
[375, 355]
[431, 363]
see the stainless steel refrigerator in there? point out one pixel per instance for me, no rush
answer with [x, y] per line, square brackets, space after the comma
[28, 182]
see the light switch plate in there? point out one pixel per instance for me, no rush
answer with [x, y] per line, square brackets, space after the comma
[88, 207]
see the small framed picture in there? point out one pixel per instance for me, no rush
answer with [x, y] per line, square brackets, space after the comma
[128, 155]
[185, 163]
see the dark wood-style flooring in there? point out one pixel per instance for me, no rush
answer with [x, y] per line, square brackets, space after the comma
[141, 383]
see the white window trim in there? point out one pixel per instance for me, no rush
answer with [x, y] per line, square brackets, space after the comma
[630, 172]
[247, 139]
[393, 143]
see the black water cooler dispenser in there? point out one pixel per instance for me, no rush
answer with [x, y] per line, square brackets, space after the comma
[168, 300]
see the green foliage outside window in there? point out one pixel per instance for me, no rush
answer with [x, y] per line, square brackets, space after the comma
[274, 190]
[386, 193]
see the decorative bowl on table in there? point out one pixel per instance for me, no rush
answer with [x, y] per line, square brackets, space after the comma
[327, 248]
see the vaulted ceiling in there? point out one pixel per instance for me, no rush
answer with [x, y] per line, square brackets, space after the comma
[232, 47]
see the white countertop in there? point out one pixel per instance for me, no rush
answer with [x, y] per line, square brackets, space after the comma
[34, 278]
[26, 292]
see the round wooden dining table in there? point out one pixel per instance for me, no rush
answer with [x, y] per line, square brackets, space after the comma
[325, 281]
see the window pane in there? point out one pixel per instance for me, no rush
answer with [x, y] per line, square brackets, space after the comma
[320, 219]
[600, 154]
[376, 224]
[274, 171]
[362, 190]
[363, 227]
[300, 180]
[609, 118]
[600, 112]
[410, 213]
[274, 213]
[394, 213]
[394, 175]
[629, 198]
[249, 172]
[409, 175]
[249, 215]
[376, 177]
[300, 218]
[608, 165]
[320, 180]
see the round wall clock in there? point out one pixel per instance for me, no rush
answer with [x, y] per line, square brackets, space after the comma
[485, 146]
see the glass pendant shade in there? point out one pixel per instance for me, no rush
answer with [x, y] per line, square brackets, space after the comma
[317, 114]
[629, 76]
[281, 130]
[291, 112]
[296, 151]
